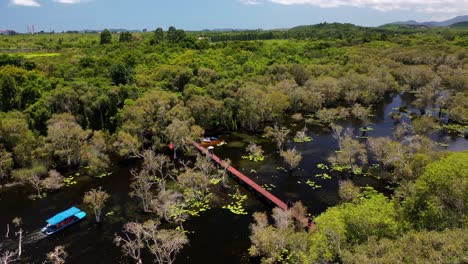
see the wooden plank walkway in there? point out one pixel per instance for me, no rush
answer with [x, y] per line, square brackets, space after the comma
[269, 196]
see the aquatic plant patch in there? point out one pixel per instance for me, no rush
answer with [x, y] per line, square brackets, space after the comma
[313, 184]
[236, 206]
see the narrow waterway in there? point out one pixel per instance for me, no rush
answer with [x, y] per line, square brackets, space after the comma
[217, 236]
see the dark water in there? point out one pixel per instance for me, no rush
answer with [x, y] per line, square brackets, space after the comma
[217, 236]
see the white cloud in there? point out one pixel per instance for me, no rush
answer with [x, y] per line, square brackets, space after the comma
[32, 3]
[423, 6]
[68, 1]
[35, 3]
[250, 2]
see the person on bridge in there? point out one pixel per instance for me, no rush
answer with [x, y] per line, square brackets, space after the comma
[210, 150]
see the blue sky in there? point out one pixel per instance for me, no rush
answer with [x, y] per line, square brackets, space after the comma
[61, 15]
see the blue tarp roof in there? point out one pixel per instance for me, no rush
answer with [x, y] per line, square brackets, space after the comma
[63, 215]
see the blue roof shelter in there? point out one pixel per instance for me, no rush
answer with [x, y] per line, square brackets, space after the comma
[63, 215]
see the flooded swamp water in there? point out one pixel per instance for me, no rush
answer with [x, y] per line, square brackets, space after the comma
[217, 235]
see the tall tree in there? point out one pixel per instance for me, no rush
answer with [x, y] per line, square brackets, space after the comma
[292, 157]
[125, 37]
[127, 145]
[17, 138]
[300, 74]
[65, 137]
[122, 74]
[255, 152]
[164, 203]
[106, 37]
[57, 256]
[133, 241]
[94, 153]
[226, 163]
[96, 199]
[352, 153]
[348, 191]
[163, 244]
[205, 165]
[278, 134]
[17, 221]
[391, 155]
[8, 93]
[145, 120]
[181, 133]
[54, 181]
[158, 36]
[176, 35]
[195, 183]
[361, 113]
[252, 107]
[331, 115]
[32, 176]
[141, 185]
[6, 164]
[7, 257]
[158, 166]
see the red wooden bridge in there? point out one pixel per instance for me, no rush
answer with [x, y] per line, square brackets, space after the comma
[269, 196]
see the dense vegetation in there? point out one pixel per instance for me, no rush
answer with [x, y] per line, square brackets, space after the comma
[81, 101]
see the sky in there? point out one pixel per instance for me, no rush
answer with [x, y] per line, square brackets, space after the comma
[62, 15]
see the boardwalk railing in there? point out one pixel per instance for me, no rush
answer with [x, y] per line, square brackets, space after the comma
[269, 196]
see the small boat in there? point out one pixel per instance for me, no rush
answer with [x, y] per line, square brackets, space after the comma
[209, 139]
[212, 142]
[62, 220]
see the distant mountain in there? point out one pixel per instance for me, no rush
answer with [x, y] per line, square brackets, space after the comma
[445, 23]
[409, 22]
[460, 25]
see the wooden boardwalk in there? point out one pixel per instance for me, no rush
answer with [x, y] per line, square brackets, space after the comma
[269, 196]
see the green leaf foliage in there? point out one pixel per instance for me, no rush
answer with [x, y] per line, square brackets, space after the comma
[438, 198]
[353, 223]
[448, 246]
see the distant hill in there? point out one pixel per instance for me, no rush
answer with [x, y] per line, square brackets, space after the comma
[446, 23]
[325, 25]
[326, 28]
[460, 25]
[227, 30]
[335, 31]
[409, 22]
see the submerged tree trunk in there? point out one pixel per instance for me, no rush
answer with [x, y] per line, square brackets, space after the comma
[102, 119]
[8, 257]
[162, 185]
[97, 214]
[145, 205]
[35, 181]
[20, 242]
[223, 180]
[364, 132]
